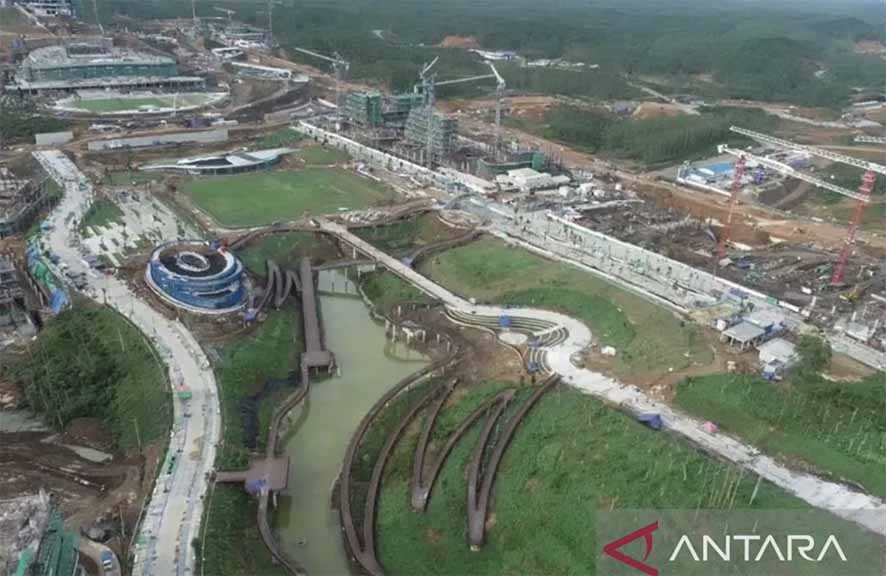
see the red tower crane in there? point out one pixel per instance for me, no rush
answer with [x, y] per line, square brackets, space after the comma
[733, 200]
[864, 192]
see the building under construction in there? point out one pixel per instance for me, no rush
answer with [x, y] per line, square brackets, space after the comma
[83, 65]
[439, 143]
[20, 201]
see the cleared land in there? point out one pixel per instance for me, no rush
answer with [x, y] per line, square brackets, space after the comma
[570, 457]
[838, 429]
[648, 338]
[261, 198]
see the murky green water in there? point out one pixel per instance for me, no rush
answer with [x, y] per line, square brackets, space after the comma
[308, 528]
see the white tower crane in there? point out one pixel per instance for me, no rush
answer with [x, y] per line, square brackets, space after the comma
[339, 66]
[429, 85]
[499, 94]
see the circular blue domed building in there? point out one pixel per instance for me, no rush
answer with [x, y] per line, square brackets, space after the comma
[197, 276]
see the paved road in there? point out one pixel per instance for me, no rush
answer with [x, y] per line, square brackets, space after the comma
[840, 499]
[172, 517]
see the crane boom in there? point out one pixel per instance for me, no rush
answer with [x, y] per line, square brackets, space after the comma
[499, 93]
[733, 200]
[867, 186]
[815, 150]
[321, 56]
[790, 171]
[427, 67]
[468, 79]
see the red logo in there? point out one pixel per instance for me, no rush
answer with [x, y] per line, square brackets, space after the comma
[613, 549]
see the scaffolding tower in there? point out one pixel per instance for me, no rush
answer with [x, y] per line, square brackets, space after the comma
[364, 108]
[442, 135]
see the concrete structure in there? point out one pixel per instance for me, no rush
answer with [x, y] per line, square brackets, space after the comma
[364, 108]
[53, 138]
[49, 8]
[171, 519]
[264, 72]
[232, 163]
[197, 277]
[527, 180]
[20, 201]
[157, 140]
[97, 65]
[777, 356]
[442, 132]
[10, 290]
[81, 61]
[743, 335]
[316, 355]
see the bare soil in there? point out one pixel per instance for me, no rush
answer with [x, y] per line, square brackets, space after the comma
[465, 42]
[656, 110]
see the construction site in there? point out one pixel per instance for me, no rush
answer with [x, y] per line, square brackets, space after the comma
[210, 182]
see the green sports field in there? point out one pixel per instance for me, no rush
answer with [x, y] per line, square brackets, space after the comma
[123, 104]
[260, 198]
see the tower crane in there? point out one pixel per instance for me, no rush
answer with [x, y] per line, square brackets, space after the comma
[862, 197]
[788, 170]
[428, 86]
[226, 11]
[499, 94]
[339, 66]
[726, 236]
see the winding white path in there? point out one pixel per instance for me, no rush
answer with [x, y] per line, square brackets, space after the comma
[866, 510]
[172, 517]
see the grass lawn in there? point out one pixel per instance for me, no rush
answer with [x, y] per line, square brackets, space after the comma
[838, 428]
[270, 352]
[121, 104]
[385, 290]
[233, 544]
[91, 362]
[284, 249]
[323, 155]
[406, 234]
[648, 338]
[102, 213]
[260, 198]
[570, 457]
[279, 138]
